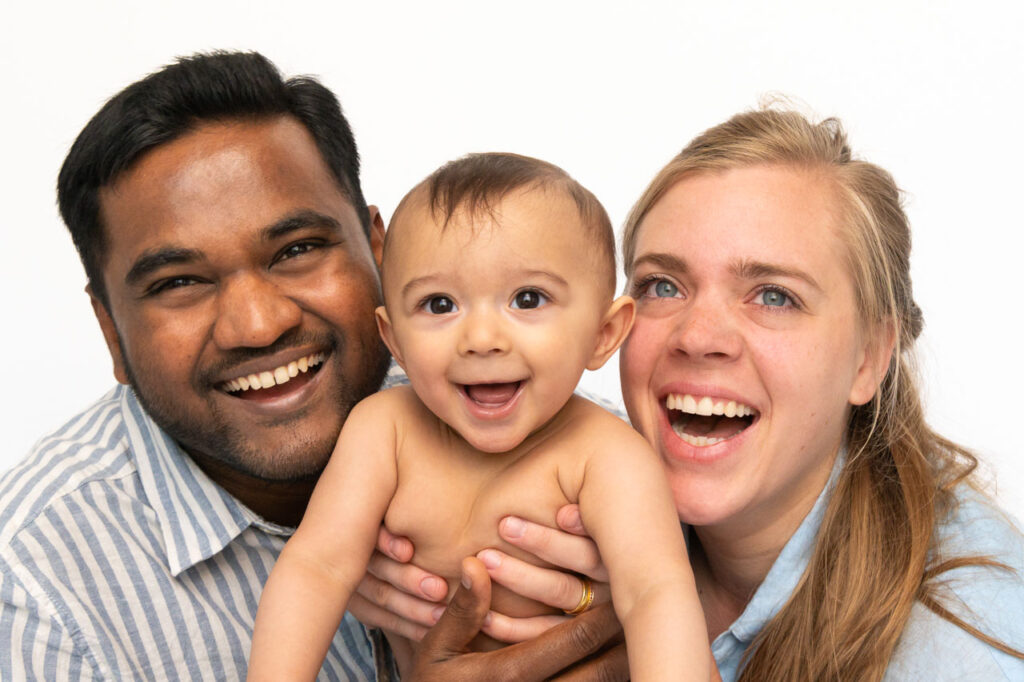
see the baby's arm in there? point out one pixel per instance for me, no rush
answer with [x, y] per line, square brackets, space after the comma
[626, 505]
[304, 599]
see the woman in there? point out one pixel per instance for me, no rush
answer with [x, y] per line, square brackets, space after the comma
[833, 534]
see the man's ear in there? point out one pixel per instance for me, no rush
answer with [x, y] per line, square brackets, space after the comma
[376, 235]
[387, 334]
[875, 360]
[614, 329]
[109, 335]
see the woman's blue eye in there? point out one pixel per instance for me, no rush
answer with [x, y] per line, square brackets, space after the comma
[440, 305]
[773, 297]
[528, 299]
[662, 288]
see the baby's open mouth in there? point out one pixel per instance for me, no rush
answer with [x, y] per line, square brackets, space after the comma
[492, 395]
[703, 420]
[269, 383]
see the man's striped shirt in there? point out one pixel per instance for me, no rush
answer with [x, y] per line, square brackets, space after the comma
[121, 560]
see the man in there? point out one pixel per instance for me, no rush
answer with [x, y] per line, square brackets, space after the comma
[232, 266]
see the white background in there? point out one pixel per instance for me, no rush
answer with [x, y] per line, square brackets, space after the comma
[930, 90]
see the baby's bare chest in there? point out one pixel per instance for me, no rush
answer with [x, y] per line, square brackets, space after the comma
[449, 499]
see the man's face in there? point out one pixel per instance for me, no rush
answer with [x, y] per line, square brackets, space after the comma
[233, 254]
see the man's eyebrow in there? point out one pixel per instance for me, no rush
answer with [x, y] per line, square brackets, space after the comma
[662, 261]
[299, 221]
[748, 269]
[151, 261]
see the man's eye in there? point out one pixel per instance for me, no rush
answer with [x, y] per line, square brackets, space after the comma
[296, 249]
[169, 284]
[527, 299]
[440, 305]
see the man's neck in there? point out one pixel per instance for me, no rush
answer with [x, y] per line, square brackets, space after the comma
[280, 502]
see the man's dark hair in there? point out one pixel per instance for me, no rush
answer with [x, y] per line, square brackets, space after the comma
[171, 102]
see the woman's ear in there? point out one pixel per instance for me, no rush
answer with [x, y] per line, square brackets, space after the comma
[875, 360]
[387, 334]
[614, 329]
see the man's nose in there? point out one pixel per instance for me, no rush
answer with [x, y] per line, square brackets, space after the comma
[253, 312]
[483, 333]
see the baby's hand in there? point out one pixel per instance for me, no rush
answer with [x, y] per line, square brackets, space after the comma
[394, 595]
[569, 548]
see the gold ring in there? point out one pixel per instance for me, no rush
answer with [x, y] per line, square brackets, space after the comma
[586, 601]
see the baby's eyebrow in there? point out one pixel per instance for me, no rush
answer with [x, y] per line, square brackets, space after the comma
[554, 276]
[418, 282]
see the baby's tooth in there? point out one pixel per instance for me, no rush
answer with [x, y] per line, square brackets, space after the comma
[704, 406]
[266, 379]
[293, 369]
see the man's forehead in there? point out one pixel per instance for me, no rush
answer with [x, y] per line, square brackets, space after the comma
[224, 182]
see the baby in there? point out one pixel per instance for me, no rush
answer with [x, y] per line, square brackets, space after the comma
[498, 277]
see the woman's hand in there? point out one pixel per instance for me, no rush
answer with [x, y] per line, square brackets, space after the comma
[443, 654]
[568, 548]
[396, 596]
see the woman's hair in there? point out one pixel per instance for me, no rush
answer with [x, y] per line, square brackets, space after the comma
[872, 559]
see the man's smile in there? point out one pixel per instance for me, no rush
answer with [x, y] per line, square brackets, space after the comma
[301, 369]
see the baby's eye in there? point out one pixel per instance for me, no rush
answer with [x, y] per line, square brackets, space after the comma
[528, 298]
[659, 288]
[440, 305]
[775, 298]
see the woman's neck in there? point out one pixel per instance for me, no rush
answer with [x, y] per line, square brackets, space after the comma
[730, 560]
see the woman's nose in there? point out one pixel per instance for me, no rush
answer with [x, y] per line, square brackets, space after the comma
[252, 313]
[707, 331]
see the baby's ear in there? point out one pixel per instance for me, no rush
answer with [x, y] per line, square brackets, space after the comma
[387, 334]
[614, 329]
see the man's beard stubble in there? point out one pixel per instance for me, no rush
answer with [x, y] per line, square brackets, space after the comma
[226, 443]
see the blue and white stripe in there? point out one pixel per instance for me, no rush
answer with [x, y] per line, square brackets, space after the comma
[121, 560]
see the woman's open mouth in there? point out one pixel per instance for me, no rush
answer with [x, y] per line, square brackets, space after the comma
[704, 420]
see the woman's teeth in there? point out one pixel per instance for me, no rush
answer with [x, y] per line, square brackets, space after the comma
[694, 413]
[707, 406]
[273, 377]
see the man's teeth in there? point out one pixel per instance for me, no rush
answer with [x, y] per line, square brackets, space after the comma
[706, 406]
[278, 375]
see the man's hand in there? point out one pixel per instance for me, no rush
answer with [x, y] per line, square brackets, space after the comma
[557, 653]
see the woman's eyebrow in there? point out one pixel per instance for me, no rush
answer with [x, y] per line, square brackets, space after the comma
[750, 269]
[663, 261]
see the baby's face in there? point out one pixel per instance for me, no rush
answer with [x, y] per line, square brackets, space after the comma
[495, 319]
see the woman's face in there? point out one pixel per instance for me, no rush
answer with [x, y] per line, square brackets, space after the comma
[747, 350]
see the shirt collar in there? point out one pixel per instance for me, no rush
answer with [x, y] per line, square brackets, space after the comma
[781, 581]
[196, 516]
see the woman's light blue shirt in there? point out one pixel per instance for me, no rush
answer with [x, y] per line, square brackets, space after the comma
[931, 648]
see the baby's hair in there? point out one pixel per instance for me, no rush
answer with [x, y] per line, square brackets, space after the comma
[474, 184]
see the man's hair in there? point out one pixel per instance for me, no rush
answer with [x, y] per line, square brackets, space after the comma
[475, 183]
[175, 100]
